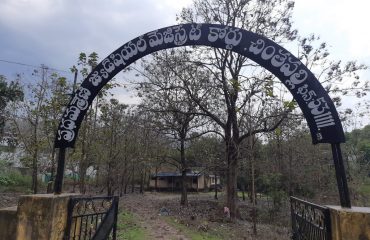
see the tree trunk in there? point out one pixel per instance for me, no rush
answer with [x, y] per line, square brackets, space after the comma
[243, 191]
[125, 189]
[184, 194]
[109, 180]
[254, 210]
[156, 180]
[35, 156]
[231, 188]
[121, 185]
[74, 182]
[81, 164]
[97, 176]
[52, 170]
[216, 188]
[82, 175]
[148, 177]
[34, 172]
[290, 187]
[124, 178]
[232, 166]
[133, 179]
[253, 184]
[142, 181]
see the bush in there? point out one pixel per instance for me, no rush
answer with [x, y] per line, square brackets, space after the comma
[14, 178]
[5, 181]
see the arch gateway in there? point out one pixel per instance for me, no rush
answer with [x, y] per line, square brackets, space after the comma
[315, 103]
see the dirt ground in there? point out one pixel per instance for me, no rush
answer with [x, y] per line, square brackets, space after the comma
[145, 209]
[203, 214]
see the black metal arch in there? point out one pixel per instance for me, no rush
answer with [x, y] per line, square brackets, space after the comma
[316, 105]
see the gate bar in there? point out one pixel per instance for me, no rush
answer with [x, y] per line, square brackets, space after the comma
[340, 173]
[58, 184]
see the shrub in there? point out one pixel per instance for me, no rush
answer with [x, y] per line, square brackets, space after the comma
[15, 178]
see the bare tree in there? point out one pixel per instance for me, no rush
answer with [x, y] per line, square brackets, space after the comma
[174, 114]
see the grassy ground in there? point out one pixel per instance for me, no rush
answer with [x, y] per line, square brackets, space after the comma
[194, 233]
[363, 194]
[127, 228]
[365, 188]
[130, 230]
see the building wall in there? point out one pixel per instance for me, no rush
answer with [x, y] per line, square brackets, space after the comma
[160, 183]
[201, 183]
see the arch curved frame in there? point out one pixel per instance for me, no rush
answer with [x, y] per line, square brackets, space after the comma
[315, 103]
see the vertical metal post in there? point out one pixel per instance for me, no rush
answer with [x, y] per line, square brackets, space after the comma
[58, 184]
[292, 215]
[340, 173]
[71, 204]
[327, 224]
[114, 229]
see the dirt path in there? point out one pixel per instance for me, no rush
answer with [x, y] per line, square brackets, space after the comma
[146, 209]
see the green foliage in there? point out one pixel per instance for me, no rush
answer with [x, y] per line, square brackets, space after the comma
[359, 144]
[273, 185]
[87, 63]
[7, 148]
[9, 92]
[6, 181]
[26, 161]
[278, 131]
[15, 179]
[235, 84]
[365, 189]
[291, 105]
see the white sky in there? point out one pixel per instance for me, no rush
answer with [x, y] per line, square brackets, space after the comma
[54, 32]
[343, 24]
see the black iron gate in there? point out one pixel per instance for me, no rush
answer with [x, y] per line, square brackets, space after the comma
[309, 221]
[92, 218]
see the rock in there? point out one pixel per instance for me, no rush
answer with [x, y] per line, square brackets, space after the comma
[164, 212]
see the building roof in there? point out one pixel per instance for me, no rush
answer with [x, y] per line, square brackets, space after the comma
[176, 174]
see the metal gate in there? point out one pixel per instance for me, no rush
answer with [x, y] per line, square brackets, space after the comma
[92, 218]
[309, 221]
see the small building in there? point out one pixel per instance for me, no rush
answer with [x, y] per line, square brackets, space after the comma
[171, 181]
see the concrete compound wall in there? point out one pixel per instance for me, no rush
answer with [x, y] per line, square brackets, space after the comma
[39, 216]
[350, 223]
[8, 223]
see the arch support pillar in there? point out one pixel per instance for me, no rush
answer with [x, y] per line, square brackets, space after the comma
[58, 183]
[340, 173]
